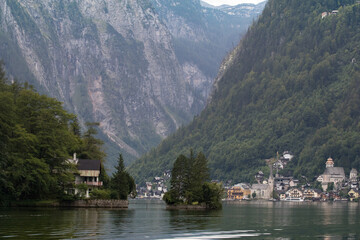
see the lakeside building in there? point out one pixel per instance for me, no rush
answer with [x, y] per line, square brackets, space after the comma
[88, 173]
[238, 192]
[262, 191]
[331, 174]
[294, 193]
[311, 194]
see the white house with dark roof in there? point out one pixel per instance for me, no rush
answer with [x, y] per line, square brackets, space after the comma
[88, 173]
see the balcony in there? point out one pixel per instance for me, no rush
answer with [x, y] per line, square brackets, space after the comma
[98, 184]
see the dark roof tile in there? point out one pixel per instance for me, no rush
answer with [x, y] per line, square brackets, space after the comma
[87, 164]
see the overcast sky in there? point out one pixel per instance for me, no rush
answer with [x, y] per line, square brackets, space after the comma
[231, 2]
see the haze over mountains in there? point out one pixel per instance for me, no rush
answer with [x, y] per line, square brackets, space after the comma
[292, 84]
[140, 68]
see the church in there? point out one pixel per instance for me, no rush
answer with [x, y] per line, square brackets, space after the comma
[331, 174]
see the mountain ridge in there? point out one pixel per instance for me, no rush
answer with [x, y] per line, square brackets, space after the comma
[113, 62]
[289, 85]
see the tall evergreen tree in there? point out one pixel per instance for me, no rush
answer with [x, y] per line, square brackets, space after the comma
[189, 184]
[180, 178]
[200, 174]
[91, 146]
[122, 183]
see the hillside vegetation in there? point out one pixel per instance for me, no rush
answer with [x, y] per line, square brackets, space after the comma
[293, 84]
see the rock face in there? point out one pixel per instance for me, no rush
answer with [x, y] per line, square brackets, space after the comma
[120, 63]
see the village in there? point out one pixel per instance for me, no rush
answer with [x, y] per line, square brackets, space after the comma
[332, 185]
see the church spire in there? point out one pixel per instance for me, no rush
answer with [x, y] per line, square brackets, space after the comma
[329, 162]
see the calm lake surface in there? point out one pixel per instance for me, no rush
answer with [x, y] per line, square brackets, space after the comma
[148, 219]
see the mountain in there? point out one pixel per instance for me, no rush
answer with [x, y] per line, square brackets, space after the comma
[243, 9]
[207, 5]
[292, 84]
[118, 63]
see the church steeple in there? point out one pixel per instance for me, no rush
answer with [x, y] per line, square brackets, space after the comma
[330, 162]
[271, 171]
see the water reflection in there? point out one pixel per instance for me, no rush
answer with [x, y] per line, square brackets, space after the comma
[150, 220]
[194, 220]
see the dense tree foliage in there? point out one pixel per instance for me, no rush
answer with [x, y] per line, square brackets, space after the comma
[293, 84]
[121, 182]
[37, 136]
[189, 184]
[35, 141]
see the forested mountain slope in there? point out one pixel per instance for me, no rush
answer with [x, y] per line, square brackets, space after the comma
[293, 83]
[112, 62]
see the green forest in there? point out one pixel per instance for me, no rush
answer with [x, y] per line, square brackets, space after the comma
[37, 136]
[190, 183]
[293, 84]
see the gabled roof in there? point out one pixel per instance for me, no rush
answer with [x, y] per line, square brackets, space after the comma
[90, 165]
[242, 185]
[334, 171]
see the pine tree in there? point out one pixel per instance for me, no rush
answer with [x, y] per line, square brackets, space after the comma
[91, 146]
[180, 179]
[189, 184]
[200, 174]
[122, 183]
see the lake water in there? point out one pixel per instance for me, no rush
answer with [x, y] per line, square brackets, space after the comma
[147, 219]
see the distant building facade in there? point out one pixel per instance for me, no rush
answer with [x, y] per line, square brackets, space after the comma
[238, 192]
[331, 174]
[262, 191]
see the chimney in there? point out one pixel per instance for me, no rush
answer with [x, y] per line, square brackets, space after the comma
[74, 158]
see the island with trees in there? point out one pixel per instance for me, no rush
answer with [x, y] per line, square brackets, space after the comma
[190, 188]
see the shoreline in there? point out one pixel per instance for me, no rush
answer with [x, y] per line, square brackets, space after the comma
[281, 201]
[87, 203]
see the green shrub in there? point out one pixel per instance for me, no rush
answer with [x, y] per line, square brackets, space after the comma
[168, 199]
[212, 195]
[101, 194]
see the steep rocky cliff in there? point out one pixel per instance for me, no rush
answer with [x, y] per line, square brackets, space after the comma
[114, 62]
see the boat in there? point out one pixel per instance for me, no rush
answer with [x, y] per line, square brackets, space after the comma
[290, 199]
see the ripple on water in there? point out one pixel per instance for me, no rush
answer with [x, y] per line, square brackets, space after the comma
[217, 235]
